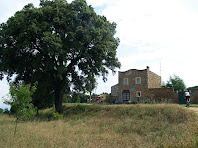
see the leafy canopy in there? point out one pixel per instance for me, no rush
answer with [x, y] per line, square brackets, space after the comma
[59, 45]
[176, 82]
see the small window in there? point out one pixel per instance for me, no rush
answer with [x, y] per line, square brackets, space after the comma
[138, 80]
[138, 94]
[126, 81]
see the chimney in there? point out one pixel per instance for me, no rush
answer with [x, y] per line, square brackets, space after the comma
[147, 67]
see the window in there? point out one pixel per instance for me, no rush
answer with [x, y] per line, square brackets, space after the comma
[126, 81]
[137, 80]
[125, 95]
[138, 94]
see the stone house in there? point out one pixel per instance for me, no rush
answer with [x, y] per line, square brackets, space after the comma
[143, 86]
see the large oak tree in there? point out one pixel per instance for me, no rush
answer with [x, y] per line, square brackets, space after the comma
[59, 45]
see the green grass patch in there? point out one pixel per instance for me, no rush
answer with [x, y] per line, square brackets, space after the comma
[191, 105]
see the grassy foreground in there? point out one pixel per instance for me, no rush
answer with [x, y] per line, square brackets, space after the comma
[105, 126]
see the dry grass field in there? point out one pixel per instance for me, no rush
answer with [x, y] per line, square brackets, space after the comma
[105, 126]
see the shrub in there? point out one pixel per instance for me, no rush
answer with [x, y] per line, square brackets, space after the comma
[21, 101]
[57, 116]
[6, 111]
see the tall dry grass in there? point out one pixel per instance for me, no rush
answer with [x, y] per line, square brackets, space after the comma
[105, 126]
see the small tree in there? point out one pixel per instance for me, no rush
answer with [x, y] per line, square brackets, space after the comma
[20, 101]
[175, 82]
[90, 84]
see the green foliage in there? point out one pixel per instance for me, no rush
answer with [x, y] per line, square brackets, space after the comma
[57, 116]
[175, 82]
[90, 84]
[192, 88]
[95, 95]
[75, 98]
[6, 111]
[67, 98]
[1, 110]
[20, 101]
[43, 98]
[59, 45]
[79, 98]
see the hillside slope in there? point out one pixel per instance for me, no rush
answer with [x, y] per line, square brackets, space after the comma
[105, 126]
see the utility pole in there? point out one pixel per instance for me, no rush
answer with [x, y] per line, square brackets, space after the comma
[160, 69]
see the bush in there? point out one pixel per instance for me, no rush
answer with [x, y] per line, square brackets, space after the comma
[21, 99]
[6, 111]
[79, 98]
[57, 116]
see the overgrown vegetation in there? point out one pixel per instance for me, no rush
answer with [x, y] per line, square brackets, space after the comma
[82, 125]
[20, 101]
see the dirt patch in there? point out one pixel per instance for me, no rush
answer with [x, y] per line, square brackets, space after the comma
[194, 109]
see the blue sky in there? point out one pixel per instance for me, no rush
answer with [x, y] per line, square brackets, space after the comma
[150, 31]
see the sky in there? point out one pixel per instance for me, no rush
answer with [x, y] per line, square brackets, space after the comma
[161, 34]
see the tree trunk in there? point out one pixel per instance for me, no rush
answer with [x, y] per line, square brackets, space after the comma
[90, 97]
[37, 111]
[58, 100]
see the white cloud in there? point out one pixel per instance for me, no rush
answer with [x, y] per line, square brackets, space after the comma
[151, 32]
[9, 7]
[157, 32]
[99, 3]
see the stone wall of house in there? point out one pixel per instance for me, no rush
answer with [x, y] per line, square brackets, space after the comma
[154, 81]
[131, 76]
[166, 95]
[157, 95]
[149, 87]
[111, 99]
[114, 90]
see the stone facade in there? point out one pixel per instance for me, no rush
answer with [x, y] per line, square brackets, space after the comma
[140, 85]
[114, 90]
[161, 95]
[154, 81]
